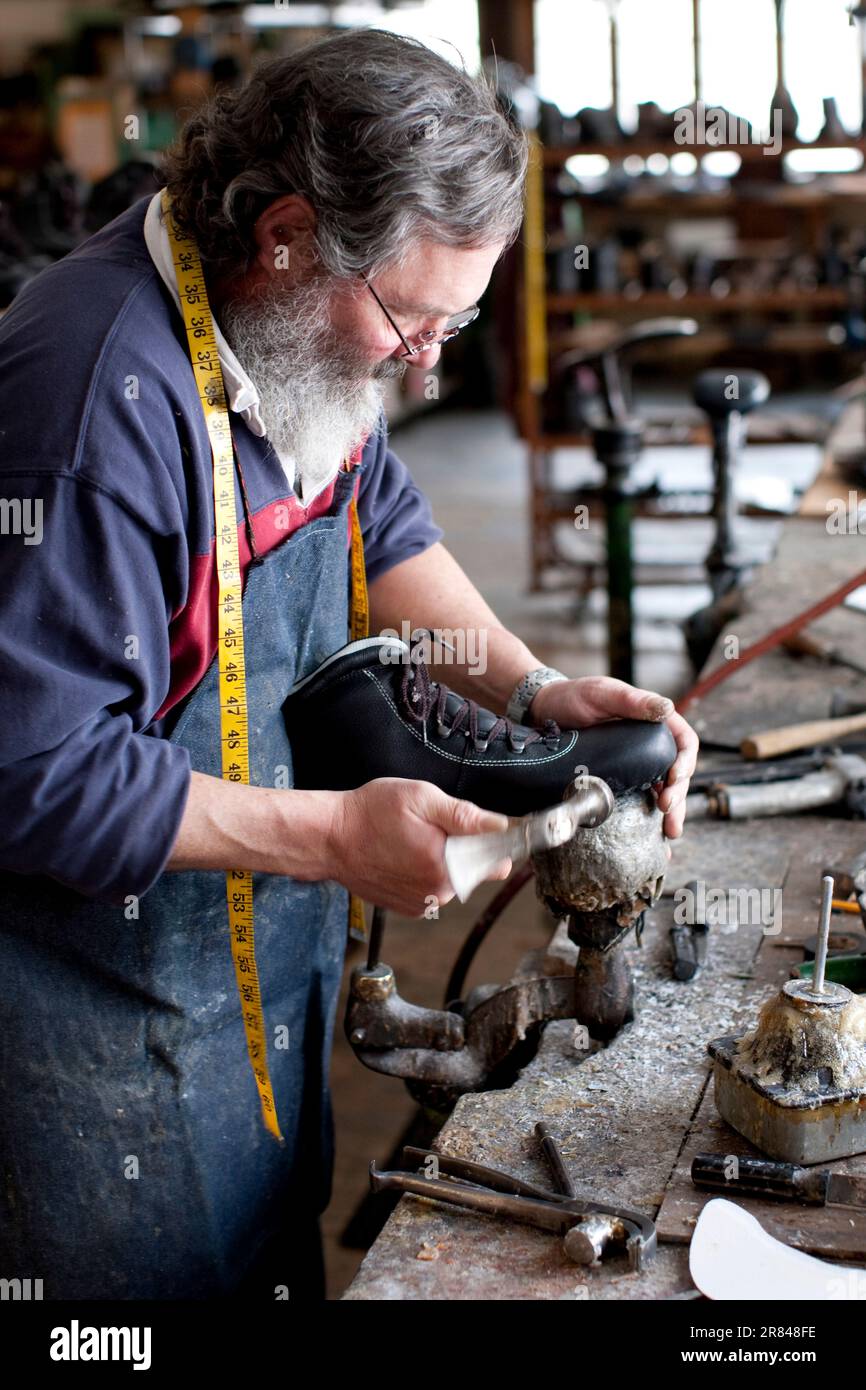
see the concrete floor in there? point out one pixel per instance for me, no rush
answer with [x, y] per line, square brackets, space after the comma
[474, 472]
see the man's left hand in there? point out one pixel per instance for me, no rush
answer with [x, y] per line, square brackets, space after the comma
[593, 699]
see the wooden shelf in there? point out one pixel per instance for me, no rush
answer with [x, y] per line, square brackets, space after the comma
[656, 437]
[556, 157]
[654, 301]
[693, 434]
[793, 197]
[792, 321]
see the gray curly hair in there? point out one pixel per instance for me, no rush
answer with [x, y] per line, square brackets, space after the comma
[388, 141]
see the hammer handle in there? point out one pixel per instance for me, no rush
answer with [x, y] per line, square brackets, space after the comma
[772, 741]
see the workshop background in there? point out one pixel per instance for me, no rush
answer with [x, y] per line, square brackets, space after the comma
[695, 209]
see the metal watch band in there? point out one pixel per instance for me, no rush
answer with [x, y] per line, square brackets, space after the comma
[526, 689]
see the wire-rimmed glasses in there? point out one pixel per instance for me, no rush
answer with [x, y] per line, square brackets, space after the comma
[429, 338]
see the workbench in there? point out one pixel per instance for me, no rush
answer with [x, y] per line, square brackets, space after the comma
[629, 1117]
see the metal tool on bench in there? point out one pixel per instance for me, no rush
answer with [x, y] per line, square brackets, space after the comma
[795, 1086]
[746, 773]
[841, 780]
[600, 881]
[846, 947]
[689, 941]
[784, 1182]
[589, 1227]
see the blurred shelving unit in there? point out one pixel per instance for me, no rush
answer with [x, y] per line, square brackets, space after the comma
[783, 296]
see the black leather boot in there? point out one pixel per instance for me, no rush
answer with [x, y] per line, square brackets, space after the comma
[370, 711]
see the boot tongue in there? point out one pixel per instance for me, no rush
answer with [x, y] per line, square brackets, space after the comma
[486, 720]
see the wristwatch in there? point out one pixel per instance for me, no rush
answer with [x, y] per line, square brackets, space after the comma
[525, 691]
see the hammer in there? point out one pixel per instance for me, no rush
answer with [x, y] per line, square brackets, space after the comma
[842, 778]
[771, 742]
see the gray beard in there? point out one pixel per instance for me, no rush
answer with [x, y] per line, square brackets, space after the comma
[318, 395]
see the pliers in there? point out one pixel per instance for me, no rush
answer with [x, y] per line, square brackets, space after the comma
[586, 1225]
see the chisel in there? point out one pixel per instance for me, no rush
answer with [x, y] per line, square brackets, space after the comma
[761, 1177]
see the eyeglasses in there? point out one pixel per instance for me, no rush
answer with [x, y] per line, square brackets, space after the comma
[428, 338]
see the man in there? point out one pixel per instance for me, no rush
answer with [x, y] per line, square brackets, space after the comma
[361, 184]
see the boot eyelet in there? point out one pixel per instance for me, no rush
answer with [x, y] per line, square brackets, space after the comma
[481, 745]
[443, 730]
[518, 747]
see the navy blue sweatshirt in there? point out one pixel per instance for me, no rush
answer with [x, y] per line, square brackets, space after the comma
[107, 570]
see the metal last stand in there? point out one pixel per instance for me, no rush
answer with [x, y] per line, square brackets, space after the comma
[597, 887]
[726, 397]
[617, 437]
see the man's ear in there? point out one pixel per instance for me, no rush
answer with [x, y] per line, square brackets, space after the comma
[285, 236]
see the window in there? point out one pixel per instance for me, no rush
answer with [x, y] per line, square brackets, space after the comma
[737, 58]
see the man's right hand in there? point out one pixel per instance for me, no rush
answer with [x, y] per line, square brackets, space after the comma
[388, 841]
[385, 841]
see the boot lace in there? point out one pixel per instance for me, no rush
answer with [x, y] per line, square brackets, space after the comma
[422, 696]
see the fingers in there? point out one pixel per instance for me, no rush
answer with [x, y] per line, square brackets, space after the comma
[606, 697]
[458, 817]
[672, 824]
[671, 797]
[687, 747]
[673, 794]
[401, 867]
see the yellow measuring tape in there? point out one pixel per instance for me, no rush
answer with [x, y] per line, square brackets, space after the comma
[234, 725]
[359, 626]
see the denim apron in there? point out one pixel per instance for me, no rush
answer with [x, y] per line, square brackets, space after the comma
[134, 1161]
